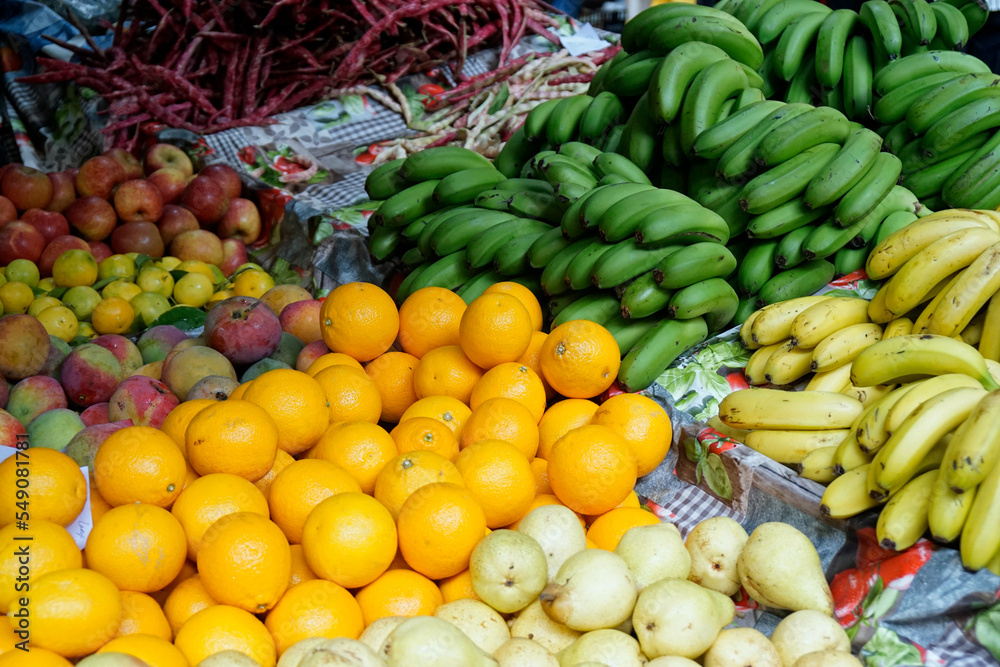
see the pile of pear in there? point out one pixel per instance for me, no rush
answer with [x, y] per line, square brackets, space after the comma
[545, 599]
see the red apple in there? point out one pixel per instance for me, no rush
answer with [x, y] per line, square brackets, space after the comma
[8, 211]
[141, 237]
[92, 217]
[206, 199]
[167, 155]
[100, 250]
[225, 176]
[26, 187]
[176, 219]
[56, 247]
[170, 182]
[241, 221]
[63, 190]
[98, 176]
[49, 223]
[19, 240]
[234, 255]
[138, 200]
[130, 164]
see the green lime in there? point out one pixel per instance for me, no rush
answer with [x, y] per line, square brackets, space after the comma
[81, 300]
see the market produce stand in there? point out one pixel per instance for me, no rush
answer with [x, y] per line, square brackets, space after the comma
[310, 166]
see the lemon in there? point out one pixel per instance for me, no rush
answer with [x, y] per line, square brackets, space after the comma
[148, 306]
[3, 278]
[248, 265]
[193, 289]
[221, 295]
[22, 271]
[120, 288]
[81, 300]
[196, 266]
[121, 267]
[86, 329]
[153, 279]
[16, 297]
[59, 321]
[45, 284]
[75, 267]
[253, 282]
[168, 263]
[112, 316]
[41, 303]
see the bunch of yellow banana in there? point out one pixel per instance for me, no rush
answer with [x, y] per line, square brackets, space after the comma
[943, 272]
[926, 448]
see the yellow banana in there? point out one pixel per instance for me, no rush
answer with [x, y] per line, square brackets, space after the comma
[994, 368]
[900, 326]
[787, 364]
[989, 344]
[775, 409]
[920, 324]
[985, 216]
[906, 358]
[848, 455]
[818, 465]
[898, 248]
[737, 434]
[933, 264]
[975, 448]
[872, 429]
[774, 322]
[833, 380]
[903, 520]
[902, 454]
[846, 495]
[981, 533]
[754, 371]
[973, 331]
[931, 461]
[842, 346]
[994, 564]
[963, 299]
[817, 322]
[922, 393]
[745, 337]
[790, 447]
[877, 312]
[868, 395]
[948, 510]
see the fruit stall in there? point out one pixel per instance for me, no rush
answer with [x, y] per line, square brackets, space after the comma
[465, 333]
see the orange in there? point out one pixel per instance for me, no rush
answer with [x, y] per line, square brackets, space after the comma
[36, 657]
[349, 539]
[8, 638]
[429, 318]
[631, 500]
[300, 567]
[511, 380]
[51, 548]
[591, 469]
[281, 461]
[224, 628]
[532, 358]
[232, 436]
[139, 547]
[580, 359]
[608, 529]
[544, 499]
[300, 487]
[499, 476]
[424, 433]
[399, 593]
[333, 359]
[392, 374]
[156, 651]
[57, 492]
[502, 419]
[446, 371]
[141, 615]
[495, 328]
[643, 423]
[139, 464]
[352, 395]
[522, 294]
[540, 469]
[237, 394]
[458, 587]
[188, 570]
[560, 419]
[439, 526]
[359, 319]
[244, 561]
[98, 505]
[296, 403]
[177, 420]
[187, 599]
[406, 473]
[71, 612]
[448, 410]
[112, 316]
[314, 608]
[359, 447]
[208, 499]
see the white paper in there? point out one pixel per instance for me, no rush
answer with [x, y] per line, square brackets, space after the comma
[585, 40]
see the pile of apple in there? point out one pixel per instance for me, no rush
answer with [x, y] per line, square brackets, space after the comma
[116, 204]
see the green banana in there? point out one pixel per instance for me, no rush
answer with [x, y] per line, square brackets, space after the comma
[553, 277]
[830, 44]
[625, 261]
[462, 187]
[914, 159]
[730, 36]
[738, 158]
[563, 123]
[481, 250]
[881, 22]
[751, 95]
[406, 287]
[628, 332]
[546, 247]
[843, 172]
[657, 349]
[603, 112]
[383, 241]
[716, 140]
[870, 190]
[384, 180]
[975, 15]
[536, 121]
[952, 26]
[538, 205]
[454, 233]
[801, 280]
[959, 125]
[631, 79]
[974, 178]
[597, 307]
[449, 272]
[848, 260]
[790, 248]
[783, 219]
[515, 153]
[413, 230]
[928, 181]
[433, 164]
[579, 151]
[681, 224]
[787, 180]
[606, 164]
[826, 239]
[694, 263]
[756, 269]
[640, 141]
[949, 97]
[571, 222]
[714, 299]
[816, 126]
[917, 18]
[774, 22]
[643, 297]
[475, 286]
[735, 217]
[412, 258]
[675, 74]
[621, 219]
[919, 65]
[794, 41]
[495, 200]
[512, 185]
[893, 223]
[895, 137]
[511, 259]
[577, 276]
[710, 88]
[894, 106]
[858, 78]
[594, 207]
[404, 207]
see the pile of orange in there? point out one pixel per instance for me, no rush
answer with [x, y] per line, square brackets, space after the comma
[313, 503]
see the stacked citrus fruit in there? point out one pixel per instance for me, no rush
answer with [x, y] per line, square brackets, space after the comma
[311, 503]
